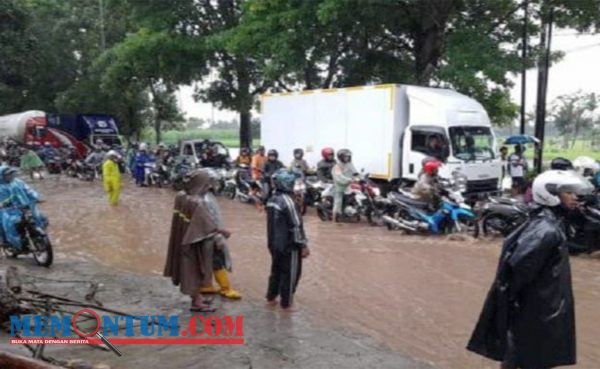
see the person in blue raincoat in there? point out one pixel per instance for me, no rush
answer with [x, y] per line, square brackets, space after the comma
[14, 195]
[141, 158]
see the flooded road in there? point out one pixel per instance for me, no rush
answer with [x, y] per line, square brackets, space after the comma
[418, 295]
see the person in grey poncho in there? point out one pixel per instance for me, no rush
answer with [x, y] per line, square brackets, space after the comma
[221, 258]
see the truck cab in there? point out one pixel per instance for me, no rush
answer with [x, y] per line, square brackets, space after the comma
[455, 130]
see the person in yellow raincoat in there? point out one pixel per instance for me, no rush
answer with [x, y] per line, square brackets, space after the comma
[112, 177]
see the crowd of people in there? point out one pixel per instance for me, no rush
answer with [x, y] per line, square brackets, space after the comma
[527, 320]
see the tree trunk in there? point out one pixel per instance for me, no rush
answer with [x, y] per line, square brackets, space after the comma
[575, 135]
[158, 130]
[245, 129]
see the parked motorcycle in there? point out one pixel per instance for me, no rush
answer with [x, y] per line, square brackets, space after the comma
[583, 228]
[34, 240]
[178, 172]
[501, 216]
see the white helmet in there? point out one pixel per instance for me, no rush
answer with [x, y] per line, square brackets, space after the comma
[143, 146]
[548, 185]
[584, 165]
[114, 154]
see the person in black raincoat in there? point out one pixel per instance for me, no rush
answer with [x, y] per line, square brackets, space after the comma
[528, 318]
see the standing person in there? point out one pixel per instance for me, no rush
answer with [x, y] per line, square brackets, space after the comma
[286, 241]
[271, 166]
[258, 162]
[32, 164]
[326, 164]
[504, 159]
[528, 319]
[221, 258]
[517, 165]
[192, 238]
[343, 174]
[111, 177]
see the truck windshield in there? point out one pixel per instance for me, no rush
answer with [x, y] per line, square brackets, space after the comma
[472, 143]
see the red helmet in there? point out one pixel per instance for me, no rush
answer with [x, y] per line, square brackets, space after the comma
[326, 152]
[431, 165]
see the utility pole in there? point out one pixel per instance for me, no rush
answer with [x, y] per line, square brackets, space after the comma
[543, 71]
[102, 35]
[524, 70]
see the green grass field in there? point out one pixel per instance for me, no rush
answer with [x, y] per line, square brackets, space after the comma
[552, 149]
[229, 138]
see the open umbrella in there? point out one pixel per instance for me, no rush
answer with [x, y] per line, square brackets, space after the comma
[521, 140]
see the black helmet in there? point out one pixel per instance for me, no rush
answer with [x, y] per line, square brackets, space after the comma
[273, 152]
[298, 152]
[561, 164]
[343, 153]
[245, 151]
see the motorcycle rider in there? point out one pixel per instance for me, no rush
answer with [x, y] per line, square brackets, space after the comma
[14, 195]
[343, 174]
[215, 159]
[325, 165]
[271, 166]
[111, 177]
[561, 164]
[141, 159]
[47, 152]
[299, 164]
[244, 158]
[428, 188]
[32, 164]
[258, 162]
[528, 317]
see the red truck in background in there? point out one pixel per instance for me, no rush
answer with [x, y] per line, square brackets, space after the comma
[31, 127]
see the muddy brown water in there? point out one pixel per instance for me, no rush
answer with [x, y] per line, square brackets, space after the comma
[418, 295]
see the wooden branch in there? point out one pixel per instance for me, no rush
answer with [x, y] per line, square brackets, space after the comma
[19, 362]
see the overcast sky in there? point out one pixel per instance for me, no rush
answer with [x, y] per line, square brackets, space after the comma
[579, 70]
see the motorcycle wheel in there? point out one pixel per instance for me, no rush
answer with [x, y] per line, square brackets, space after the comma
[323, 215]
[42, 250]
[230, 192]
[494, 225]
[467, 226]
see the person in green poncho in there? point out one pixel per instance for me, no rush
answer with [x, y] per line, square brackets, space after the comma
[31, 163]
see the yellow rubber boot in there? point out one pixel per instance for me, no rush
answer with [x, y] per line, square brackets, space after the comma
[222, 278]
[209, 290]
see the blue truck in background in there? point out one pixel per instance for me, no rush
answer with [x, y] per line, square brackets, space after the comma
[88, 128]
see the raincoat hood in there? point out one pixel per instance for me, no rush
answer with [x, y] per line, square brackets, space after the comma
[198, 183]
[3, 170]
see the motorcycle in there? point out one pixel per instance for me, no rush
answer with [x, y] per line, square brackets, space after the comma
[246, 189]
[502, 216]
[54, 165]
[583, 228]
[415, 216]
[157, 175]
[84, 171]
[178, 172]
[34, 240]
[362, 199]
[225, 184]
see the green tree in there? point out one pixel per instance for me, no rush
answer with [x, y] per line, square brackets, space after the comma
[572, 114]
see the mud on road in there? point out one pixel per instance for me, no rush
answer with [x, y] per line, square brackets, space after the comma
[418, 296]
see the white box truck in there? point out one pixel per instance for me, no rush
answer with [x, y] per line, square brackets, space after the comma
[387, 128]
